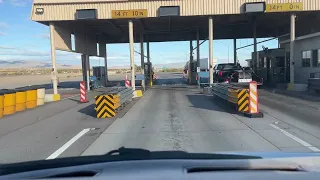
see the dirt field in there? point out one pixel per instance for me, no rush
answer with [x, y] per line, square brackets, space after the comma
[10, 82]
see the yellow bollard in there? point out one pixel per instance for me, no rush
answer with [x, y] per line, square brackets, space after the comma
[1, 104]
[31, 98]
[151, 80]
[9, 102]
[21, 98]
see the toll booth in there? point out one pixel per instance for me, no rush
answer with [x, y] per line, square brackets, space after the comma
[147, 70]
[100, 73]
[193, 70]
[272, 66]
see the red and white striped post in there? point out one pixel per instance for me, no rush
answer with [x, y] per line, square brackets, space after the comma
[83, 92]
[254, 101]
[127, 82]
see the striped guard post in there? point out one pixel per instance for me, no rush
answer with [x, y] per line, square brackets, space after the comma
[83, 92]
[243, 100]
[254, 111]
[105, 106]
[127, 82]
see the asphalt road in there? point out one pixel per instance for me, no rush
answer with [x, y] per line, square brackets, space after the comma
[170, 116]
[173, 116]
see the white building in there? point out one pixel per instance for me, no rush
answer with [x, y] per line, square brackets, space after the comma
[306, 57]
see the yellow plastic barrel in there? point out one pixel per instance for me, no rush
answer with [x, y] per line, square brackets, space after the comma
[41, 91]
[9, 102]
[31, 97]
[1, 103]
[21, 99]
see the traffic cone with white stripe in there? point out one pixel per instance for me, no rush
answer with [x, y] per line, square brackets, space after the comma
[254, 111]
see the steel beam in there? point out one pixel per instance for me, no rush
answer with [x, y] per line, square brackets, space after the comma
[142, 60]
[292, 42]
[54, 60]
[211, 50]
[131, 46]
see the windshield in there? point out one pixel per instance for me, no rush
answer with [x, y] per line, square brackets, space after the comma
[86, 78]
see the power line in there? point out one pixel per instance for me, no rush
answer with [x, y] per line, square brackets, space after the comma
[263, 41]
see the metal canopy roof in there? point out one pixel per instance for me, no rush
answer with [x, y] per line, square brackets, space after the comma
[163, 29]
[229, 21]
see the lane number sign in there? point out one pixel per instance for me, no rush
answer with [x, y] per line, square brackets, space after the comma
[284, 7]
[135, 13]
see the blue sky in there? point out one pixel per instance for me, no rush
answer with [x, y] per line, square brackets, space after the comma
[24, 40]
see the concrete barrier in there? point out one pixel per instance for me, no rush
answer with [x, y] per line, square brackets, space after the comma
[21, 98]
[297, 87]
[52, 97]
[1, 104]
[137, 93]
[40, 96]
[9, 102]
[31, 98]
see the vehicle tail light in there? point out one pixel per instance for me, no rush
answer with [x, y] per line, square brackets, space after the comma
[227, 80]
[220, 73]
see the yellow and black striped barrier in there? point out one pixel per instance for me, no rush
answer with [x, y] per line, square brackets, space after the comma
[243, 96]
[106, 105]
[243, 100]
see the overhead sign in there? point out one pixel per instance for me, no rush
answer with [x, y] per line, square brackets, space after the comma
[169, 11]
[86, 14]
[284, 7]
[134, 13]
[255, 7]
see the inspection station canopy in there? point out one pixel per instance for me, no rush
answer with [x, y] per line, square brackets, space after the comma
[106, 21]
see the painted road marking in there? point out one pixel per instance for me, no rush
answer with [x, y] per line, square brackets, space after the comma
[68, 144]
[173, 84]
[302, 142]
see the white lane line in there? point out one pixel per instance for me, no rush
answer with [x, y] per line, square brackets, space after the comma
[302, 142]
[68, 144]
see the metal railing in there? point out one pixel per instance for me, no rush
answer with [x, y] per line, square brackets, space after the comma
[108, 105]
[124, 94]
[228, 92]
[244, 96]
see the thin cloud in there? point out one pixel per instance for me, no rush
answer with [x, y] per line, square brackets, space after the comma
[3, 34]
[6, 47]
[4, 25]
[45, 36]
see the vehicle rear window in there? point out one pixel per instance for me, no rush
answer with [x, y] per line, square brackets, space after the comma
[228, 66]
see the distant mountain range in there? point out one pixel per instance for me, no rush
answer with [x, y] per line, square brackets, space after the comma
[31, 64]
[36, 64]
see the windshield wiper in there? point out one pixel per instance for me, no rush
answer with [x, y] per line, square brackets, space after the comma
[126, 151]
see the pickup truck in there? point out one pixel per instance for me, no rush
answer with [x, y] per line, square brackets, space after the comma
[234, 73]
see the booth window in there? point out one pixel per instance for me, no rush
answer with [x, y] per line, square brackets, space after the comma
[306, 58]
[316, 58]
